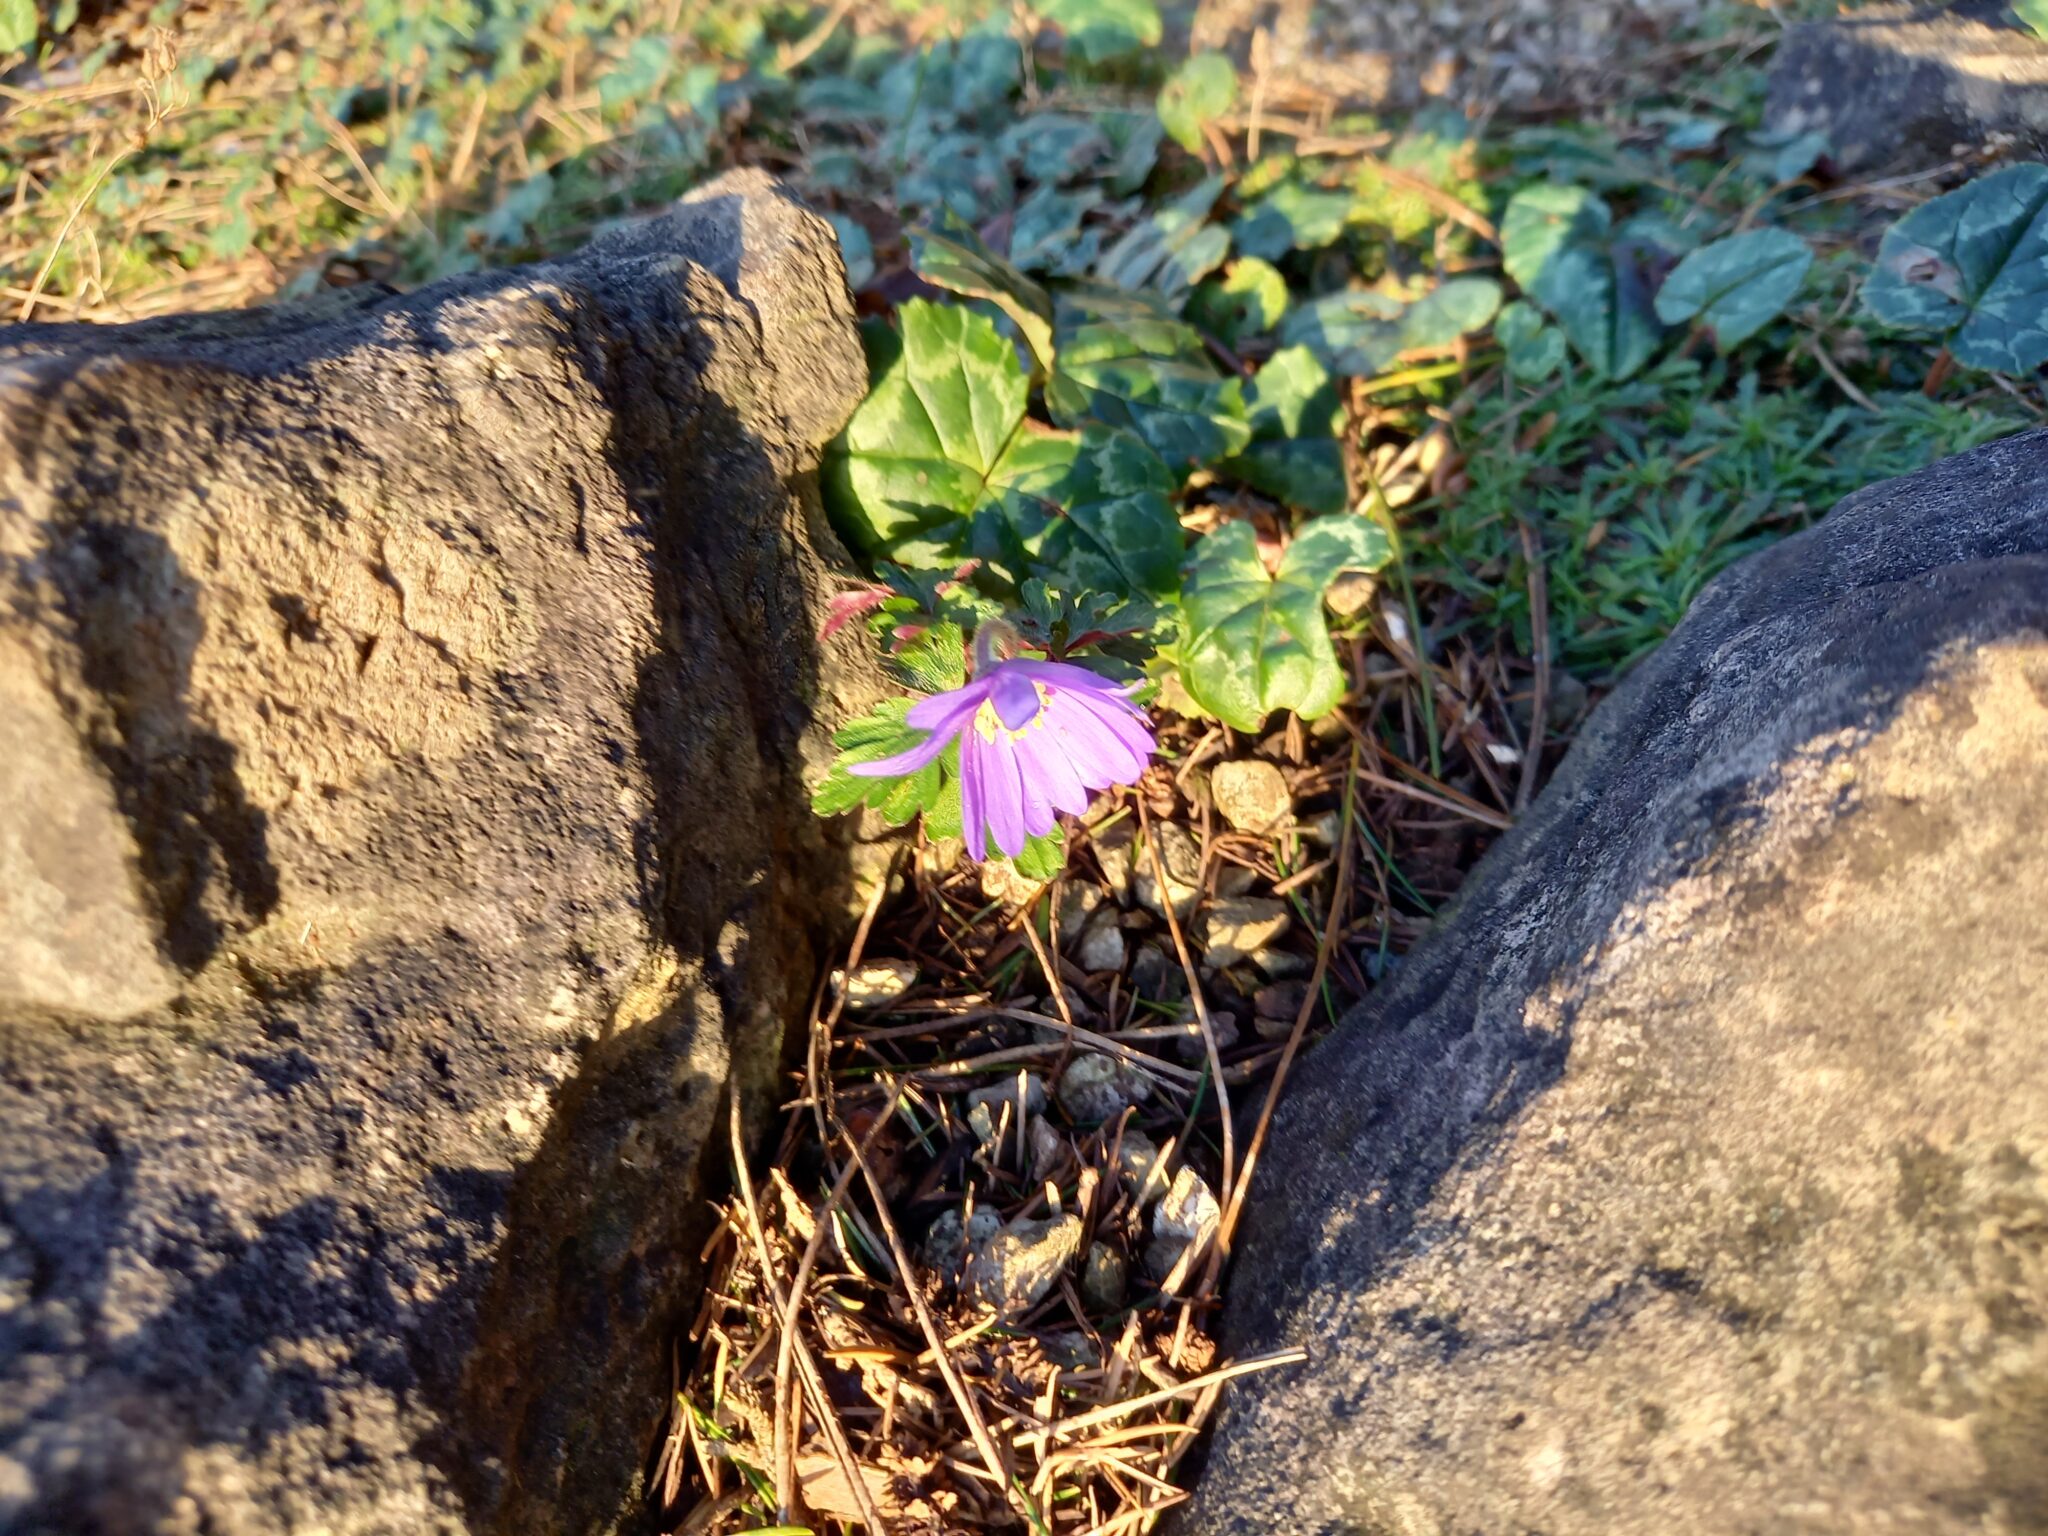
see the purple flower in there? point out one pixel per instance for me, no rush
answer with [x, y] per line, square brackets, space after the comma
[1036, 737]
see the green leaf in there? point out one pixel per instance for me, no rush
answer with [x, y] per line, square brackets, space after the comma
[1200, 91]
[2033, 15]
[1558, 243]
[1154, 377]
[1973, 264]
[1247, 301]
[1737, 285]
[1173, 249]
[1360, 332]
[1100, 30]
[1253, 643]
[1120, 534]
[938, 461]
[1043, 857]
[882, 733]
[1306, 473]
[1292, 395]
[1535, 350]
[1291, 217]
[1292, 406]
[1046, 234]
[17, 24]
[856, 249]
[1437, 148]
[957, 260]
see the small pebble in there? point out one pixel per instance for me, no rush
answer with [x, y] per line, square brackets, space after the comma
[1139, 1168]
[1251, 794]
[1276, 1007]
[1095, 1088]
[1001, 882]
[1078, 902]
[1280, 964]
[1006, 1088]
[1182, 1227]
[1157, 976]
[1239, 926]
[1113, 845]
[1352, 592]
[1015, 1268]
[1104, 1274]
[946, 1243]
[876, 983]
[1192, 1047]
[1102, 945]
[1182, 857]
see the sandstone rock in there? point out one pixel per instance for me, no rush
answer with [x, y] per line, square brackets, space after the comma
[1014, 1269]
[1251, 794]
[1906, 87]
[1694, 1177]
[402, 847]
[1236, 928]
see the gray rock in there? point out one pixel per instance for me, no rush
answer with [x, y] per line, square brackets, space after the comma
[1900, 88]
[1694, 1176]
[403, 845]
[1006, 1089]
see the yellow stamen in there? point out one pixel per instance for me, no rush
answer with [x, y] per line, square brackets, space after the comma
[991, 726]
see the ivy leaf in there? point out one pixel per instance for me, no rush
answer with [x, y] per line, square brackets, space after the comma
[1248, 300]
[2033, 15]
[1173, 249]
[1152, 376]
[1559, 244]
[1437, 148]
[17, 24]
[1121, 534]
[1294, 457]
[1360, 332]
[957, 260]
[1253, 643]
[1535, 350]
[1101, 30]
[1046, 234]
[1737, 285]
[1199, 92]
[1973, 264]
[1291, 217]
[856, 249]
[938, 461]
[883, 732]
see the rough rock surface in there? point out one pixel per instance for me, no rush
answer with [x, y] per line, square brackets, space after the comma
[1909, 87]
[1694, 1176]
[402, 845]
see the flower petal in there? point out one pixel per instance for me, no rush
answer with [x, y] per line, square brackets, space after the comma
[934, 713]
[973, 794]
[1098, 756]
[1045, 764]
[1003, 793]
[1128, 725]
[1015, 699]
[944, 726]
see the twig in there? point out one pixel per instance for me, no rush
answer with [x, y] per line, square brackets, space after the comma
[1539, 641]
[795, 53]
[785, 1441]
[1180, 948]
[814, 1386]
[1110, 1412]
[1843, 382]
[962, 1398]
[1331, 925]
